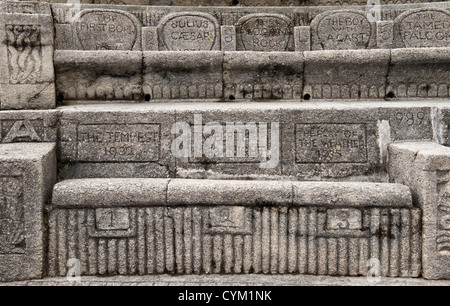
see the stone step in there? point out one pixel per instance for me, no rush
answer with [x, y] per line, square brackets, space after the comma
[252, 140]
[145, 53]
[88, 76]
[154, 226]
[27, 177]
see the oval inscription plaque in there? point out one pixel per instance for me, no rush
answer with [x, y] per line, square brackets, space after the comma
[345, 30]
[423, 28]
[265, 32]
[106, 30]
[189, 32]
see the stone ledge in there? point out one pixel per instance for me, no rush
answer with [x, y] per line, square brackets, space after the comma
[93, 76]
[228, 280]
[93, 193]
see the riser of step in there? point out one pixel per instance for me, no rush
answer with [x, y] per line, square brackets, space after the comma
[302, 141]
[205, 240]
[313, 75]
[145, 140]
[250, 3]
[137, 227]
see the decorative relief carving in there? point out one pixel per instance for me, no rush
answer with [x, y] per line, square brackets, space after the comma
[342, 30]
[107, 30]
[422, 28]
[277, 240]
[24, 53]
[16, 7]
[12, 218]
[189, 32]
[331, 143]
[443, 226]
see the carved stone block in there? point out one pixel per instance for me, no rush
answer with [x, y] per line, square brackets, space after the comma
[260, 229]
[27, 176]
[425, 168]
[265, 33]
[28, 126]
[350, 74]
[98, 75]
[192, 31]
[343, 142]
[418, 28]
[118, 143]
[342, 30]
[428, 72]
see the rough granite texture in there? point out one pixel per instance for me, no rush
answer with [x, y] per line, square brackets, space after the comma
[26, 61]
[230, 281]
[230, 137]
[425, 168]
[232, 227]
[27, 175]
[298, 136]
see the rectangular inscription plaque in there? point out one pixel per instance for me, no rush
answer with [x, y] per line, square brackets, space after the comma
[228, 220]
[118, 142]
[107, 219]
[331, 143]
[344, 219]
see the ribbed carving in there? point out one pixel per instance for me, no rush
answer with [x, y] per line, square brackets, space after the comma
[204, 240]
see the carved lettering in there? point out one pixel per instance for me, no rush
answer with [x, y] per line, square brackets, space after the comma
[108, 219]
[265, 32]
[424, 28]
[331, 143]
[344, 219]
[189, 32]
[106, 30]
[20, 131]
[344, 30]
[118, 142]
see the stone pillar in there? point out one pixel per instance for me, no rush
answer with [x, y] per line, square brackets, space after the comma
[27, 176]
